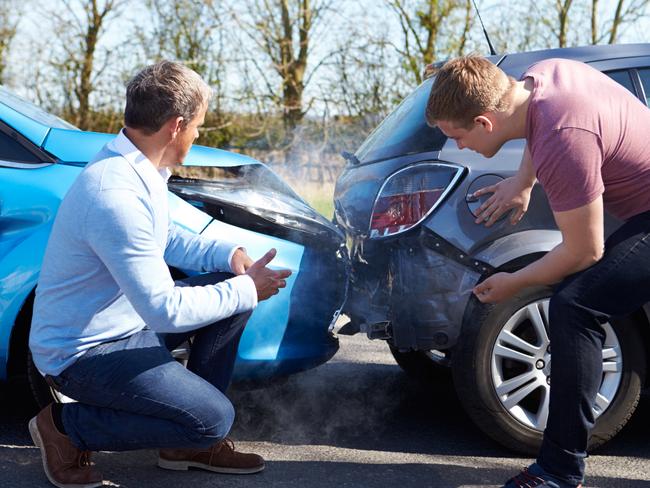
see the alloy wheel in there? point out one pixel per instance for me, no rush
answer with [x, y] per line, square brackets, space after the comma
[521, 366]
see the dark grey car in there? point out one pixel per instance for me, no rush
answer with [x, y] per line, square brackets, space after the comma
[405, 203]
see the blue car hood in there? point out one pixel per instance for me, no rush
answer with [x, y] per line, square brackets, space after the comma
[74, 146]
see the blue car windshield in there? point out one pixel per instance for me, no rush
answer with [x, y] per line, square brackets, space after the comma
[404, 131]
[30, 110]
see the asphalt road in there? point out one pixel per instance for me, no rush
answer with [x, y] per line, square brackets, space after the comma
[356, 421]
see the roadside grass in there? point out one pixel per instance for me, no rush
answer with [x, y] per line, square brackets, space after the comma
[318, 195]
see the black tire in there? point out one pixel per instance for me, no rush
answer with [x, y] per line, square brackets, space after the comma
[472, 374]
[418, 365]
[41, 391]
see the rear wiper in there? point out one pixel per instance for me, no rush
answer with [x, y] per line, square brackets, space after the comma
[350, 158]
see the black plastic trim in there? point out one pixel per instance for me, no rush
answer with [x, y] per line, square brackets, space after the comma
[42, 156]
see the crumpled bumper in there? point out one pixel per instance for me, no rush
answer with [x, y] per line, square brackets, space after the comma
[412, 291]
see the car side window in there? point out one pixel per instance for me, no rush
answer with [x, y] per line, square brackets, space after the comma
[12, 151]
[644, 74]
[622, 77]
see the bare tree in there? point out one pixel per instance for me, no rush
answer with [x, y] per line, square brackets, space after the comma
[9, 19]
[78, 29]
[283, 31]
[594, 21]
[562, 8]
[363, 85]
[423, 24]
[191, 32]
[625, 13]
[555, 16]
[184, 30]
[522, 26]
[467, 24]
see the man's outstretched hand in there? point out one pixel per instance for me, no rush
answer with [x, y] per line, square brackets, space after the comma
[267, 281]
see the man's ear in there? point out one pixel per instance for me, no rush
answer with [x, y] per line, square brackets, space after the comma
[484, 121]
[175, 126]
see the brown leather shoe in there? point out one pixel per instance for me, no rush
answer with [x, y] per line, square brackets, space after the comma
[65, 465]
[220, 458]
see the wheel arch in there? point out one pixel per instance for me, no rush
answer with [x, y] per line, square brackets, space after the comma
[508, 249]
[513, 252]
[515, 263]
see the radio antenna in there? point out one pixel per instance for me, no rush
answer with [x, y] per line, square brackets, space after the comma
[492, 51]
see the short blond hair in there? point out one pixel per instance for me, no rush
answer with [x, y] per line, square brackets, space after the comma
[466, 87]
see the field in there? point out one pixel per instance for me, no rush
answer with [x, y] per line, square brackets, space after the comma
[320, 196]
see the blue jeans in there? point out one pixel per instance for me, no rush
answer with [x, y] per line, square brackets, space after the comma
[132, 394]
[615, 286]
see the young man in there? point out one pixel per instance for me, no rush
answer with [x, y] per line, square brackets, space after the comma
[107, 312]
[587, 146]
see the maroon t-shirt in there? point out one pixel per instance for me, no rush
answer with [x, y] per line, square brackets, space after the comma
[588, 136]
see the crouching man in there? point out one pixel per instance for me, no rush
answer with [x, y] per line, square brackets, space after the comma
[107, 312]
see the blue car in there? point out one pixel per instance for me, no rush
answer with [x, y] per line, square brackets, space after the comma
[242, 201]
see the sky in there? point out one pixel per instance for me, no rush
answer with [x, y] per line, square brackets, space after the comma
[367, 15]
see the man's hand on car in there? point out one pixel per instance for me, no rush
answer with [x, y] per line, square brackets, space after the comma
[509, 194]
[267, 281]
[240, 262]
[497, 288]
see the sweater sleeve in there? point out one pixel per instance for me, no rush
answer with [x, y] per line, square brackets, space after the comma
[192, 251]
[120, 230]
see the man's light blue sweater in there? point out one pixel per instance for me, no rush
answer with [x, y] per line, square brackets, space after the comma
[105, 274]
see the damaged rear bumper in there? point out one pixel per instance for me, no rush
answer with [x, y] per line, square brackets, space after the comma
[411, 291]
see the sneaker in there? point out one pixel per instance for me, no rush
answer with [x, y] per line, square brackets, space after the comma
[220, 458]
[65, 465]
[534, 476]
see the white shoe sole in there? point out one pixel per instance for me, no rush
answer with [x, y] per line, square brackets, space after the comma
[38, 442]
[185, 465]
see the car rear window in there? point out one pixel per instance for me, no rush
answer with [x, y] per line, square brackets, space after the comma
[404, 131]
[644, 74]
[622, 77]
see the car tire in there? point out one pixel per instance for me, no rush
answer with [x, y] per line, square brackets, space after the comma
[420, 366]
[42, 392]
[474, 378]
[40, 389]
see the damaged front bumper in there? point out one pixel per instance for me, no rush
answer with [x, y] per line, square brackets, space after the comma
[293, 331]
[411, 291]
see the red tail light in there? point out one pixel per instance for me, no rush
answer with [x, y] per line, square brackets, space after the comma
[410, 195]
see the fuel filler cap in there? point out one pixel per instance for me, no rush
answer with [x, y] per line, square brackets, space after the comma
[473, 203]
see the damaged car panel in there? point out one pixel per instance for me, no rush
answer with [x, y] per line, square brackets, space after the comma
[412, 286]
[278, 339]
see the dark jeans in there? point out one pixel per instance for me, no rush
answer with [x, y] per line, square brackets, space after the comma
[132, 394]
[616, 285]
